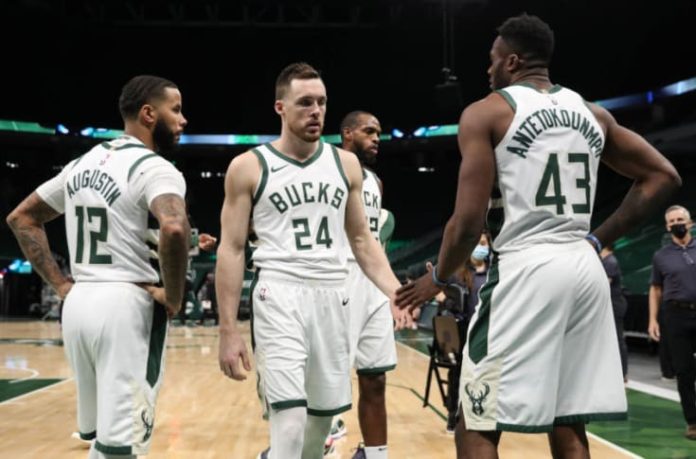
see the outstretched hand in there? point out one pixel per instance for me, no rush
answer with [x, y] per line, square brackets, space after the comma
[206, 242]
[415, 293]
[403, 318]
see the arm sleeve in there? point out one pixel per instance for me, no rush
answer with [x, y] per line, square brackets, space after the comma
[51, 191]
[158, 179]
[656, 277]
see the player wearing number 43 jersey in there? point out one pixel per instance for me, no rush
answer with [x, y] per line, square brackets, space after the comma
[541, 349]
[114, 333]
[303, 196]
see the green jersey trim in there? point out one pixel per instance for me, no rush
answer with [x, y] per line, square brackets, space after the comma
[589, 417]
[76, 161]
[478, 333]
[285, 404]
[115, 450]
[137, 163]
[295, 162]
[551, 90]
[508, 98]
[158, 334]
[340, 166]
[264, 175]
[326, 413]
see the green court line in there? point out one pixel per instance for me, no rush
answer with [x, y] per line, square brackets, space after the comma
[420, 397]
[10, 389]
[654, 429]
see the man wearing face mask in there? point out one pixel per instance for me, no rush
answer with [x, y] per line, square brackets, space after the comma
[478, 271]
[674, 285]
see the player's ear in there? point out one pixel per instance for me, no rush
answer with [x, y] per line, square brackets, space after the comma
[513, 62]
[148, 115]
[279, 106]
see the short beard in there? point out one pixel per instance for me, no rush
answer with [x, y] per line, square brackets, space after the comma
[366, 158]
[163, 138]
[309, 138]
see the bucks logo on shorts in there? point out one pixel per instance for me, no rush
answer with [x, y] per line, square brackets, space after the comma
[148, 423]
[477, 397]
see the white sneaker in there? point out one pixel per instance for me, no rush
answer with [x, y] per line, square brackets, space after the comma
[338, 429]
[76, 436]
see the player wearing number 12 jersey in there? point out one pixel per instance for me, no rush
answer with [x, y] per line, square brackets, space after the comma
[541, 351]
[113, 331]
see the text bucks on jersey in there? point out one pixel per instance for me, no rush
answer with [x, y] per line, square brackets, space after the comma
[299, 214]
[546, 169]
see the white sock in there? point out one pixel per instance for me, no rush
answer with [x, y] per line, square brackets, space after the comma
[316, 431]
[287, 432]
[376, 452]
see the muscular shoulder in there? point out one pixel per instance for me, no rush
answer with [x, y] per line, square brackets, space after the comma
[602, 115]
[350, 165]
[487, 117]
[244, 170]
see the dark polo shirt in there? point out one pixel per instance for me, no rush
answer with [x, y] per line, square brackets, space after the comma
[674, 268]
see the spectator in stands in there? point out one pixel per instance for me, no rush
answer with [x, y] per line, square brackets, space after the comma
[477, 271]
[618, 301]
[207, 298]
[673, 285]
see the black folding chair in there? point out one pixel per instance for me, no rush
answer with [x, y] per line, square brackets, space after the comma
[445, 352]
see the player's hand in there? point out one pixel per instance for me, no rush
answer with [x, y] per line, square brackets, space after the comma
[402, 317]
[159, 295]
[63, 289]
[206, 242]
[232, 350]
[414, 294]
[654, 330]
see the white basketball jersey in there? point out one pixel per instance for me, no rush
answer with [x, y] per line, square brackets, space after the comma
[372, 203]
[106, 213]
[299, 214]
[546, 169]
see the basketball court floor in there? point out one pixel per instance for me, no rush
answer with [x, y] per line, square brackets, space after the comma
[202, 414]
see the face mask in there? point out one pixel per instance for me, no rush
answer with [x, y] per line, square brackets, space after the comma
[678, 229]
[480, 252]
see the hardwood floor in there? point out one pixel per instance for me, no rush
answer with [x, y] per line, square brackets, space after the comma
[202, 414]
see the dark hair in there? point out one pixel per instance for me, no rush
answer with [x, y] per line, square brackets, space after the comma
[351, 120]
[139, 91]
[530, 38]
[295, 71]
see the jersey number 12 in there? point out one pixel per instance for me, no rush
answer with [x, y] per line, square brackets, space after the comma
[93, 213]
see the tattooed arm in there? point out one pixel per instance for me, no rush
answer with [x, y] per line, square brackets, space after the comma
[175, 234]
[27, 223]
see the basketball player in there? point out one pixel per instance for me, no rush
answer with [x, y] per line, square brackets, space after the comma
[114, 333]
[541, 354]
[373, 351]
[301, 194]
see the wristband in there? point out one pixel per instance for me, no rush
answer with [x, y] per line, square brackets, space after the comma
[437, 281]
[594, 241]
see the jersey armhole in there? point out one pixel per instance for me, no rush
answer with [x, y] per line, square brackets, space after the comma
[340, 166]
[137, 163]
[264, 176]
[508, 98]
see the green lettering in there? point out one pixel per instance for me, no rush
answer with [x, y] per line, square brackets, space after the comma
[305, 187]
[323, 193]
[278, 202]
[337, 198]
